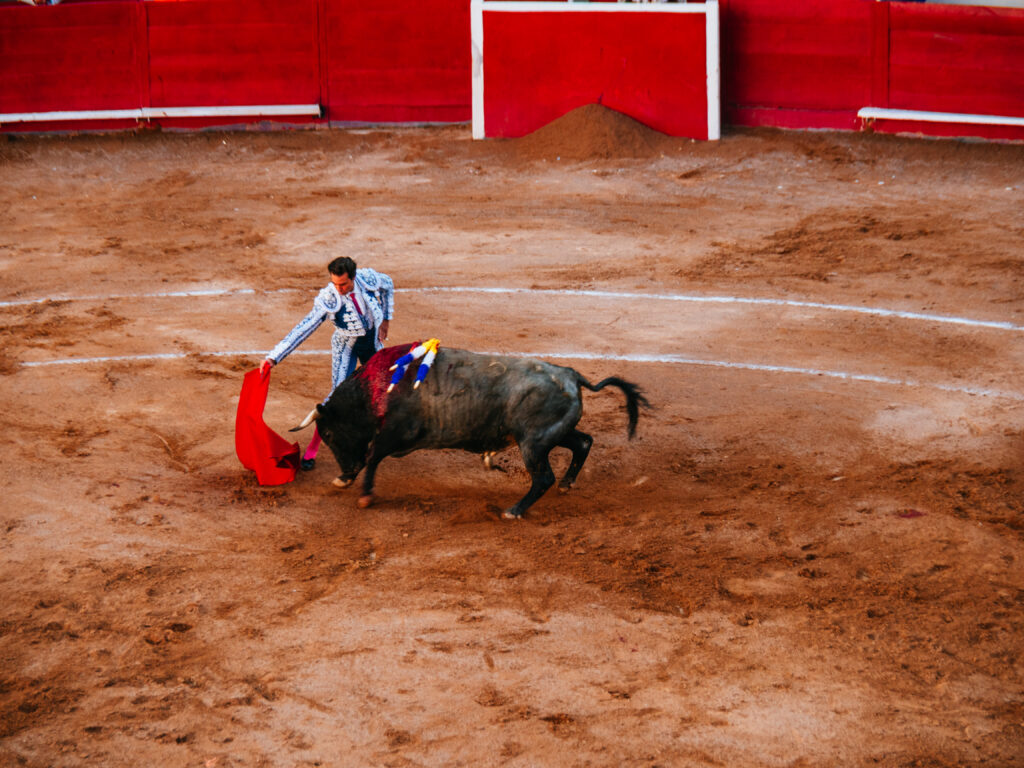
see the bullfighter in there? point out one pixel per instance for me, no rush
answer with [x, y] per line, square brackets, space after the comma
[360, 303]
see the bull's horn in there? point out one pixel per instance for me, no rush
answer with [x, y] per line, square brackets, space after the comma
[313, 416]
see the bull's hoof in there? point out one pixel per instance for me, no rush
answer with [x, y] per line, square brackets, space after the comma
[365, 500]
[341, 482]
[512, 514]
[565, 488]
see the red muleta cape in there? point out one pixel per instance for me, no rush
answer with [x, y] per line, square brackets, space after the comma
[259, 448]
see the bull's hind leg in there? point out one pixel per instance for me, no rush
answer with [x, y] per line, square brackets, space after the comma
[539, 467]
[579, 443]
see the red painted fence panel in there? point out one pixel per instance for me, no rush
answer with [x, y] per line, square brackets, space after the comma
[957, 59]
[221, 53]
[404, 60]
[539, 65]
[70, 57]
[795, 65]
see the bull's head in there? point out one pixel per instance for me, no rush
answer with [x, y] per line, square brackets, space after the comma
[341, 436]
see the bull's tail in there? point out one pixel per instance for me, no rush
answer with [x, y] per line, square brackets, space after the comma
[634, 397]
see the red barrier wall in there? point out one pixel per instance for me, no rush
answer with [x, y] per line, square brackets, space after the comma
[71, 57]
[398, 61]
[538, 65]
[220, 52]
[394, 62]
[956, 59]
[814, 64]
[810, 64]
[959, 59]
[795, 65]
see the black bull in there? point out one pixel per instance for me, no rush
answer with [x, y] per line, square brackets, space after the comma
[478, 403]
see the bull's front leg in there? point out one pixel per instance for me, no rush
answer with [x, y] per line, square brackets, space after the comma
[373, 457]
[366, 499]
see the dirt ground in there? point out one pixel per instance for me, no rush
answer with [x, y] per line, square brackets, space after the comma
[811, 555]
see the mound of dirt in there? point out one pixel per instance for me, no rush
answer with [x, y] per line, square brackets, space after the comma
[591, 132]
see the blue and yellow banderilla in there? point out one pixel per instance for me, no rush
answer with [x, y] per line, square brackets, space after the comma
[427, 350]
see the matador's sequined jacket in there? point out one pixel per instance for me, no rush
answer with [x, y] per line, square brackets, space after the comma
[375, 293]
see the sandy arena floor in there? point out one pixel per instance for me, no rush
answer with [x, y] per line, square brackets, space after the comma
[812, 554]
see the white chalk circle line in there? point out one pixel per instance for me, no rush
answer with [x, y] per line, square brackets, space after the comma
[620, 296]
[645, 359]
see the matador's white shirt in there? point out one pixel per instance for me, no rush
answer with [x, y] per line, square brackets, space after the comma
[375, 293]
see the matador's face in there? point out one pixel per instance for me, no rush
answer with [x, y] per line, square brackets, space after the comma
[343, 283]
